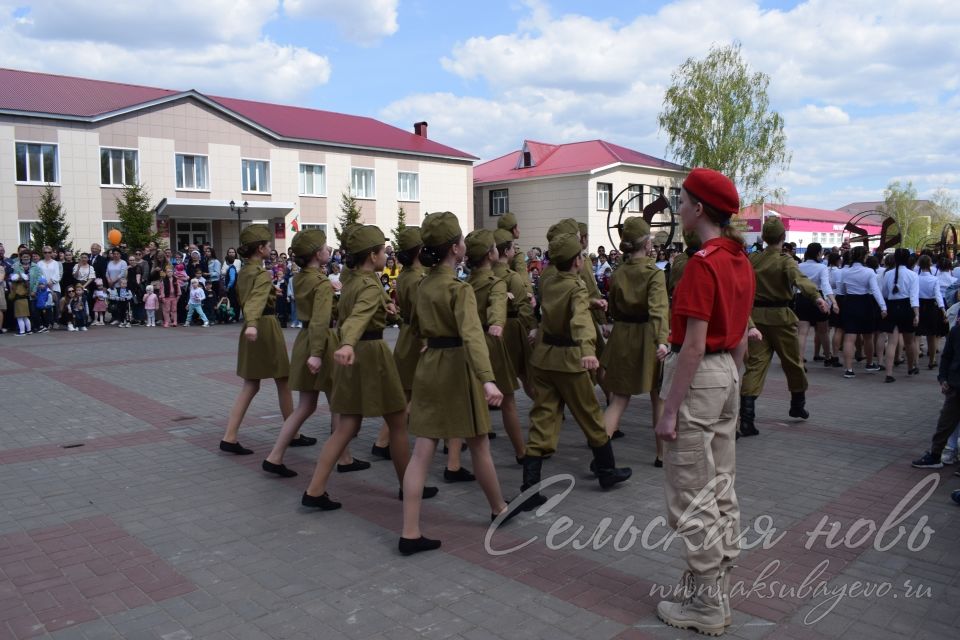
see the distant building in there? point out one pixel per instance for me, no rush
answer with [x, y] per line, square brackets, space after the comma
[195, 153]
[542, 183]
[803, 224]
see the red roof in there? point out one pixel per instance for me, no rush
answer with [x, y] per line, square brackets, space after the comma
[573, 158]
[753, 212]
[55, 95]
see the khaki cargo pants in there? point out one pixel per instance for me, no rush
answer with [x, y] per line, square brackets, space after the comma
[783, 340]
[704, 451]
[553, 390]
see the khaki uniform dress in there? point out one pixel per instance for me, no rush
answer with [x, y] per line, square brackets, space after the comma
[593, 292]
[566, 335]
[406, 353]
[520, 319]
[371, 387]
[491, 294]
[777, 274]
[20, 296]
[314, 307]
[638, 305]
[267, 356]
[448, 399]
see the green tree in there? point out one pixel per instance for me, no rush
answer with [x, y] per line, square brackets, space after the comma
[137, 220]
[920, 222]
[51, 229]
[401, 225]
[349, 214]
[716, 114]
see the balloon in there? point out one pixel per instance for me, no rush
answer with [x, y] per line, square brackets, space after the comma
[114, 237]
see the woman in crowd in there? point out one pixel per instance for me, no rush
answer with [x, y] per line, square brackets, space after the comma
[900, 290]
[116, 269]
[213, 268]
[932, 321]
[807, 312]
[861, 297]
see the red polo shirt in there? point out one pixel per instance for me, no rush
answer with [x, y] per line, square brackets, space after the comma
[717, 286]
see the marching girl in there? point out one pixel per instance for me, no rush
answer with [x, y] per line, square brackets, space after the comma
[365, 378]
[933, 315]
[311, 363]
[262, 353]
[492, 297]
[860, 290]
[900, 289]
[454, 382]
[521, 329]
[638, 339]
[835, 273]
[807, 312]
[406, 353]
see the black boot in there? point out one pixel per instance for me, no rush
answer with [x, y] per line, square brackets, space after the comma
[747, 415]
[606, 467]
[798, 399]
[531, 476]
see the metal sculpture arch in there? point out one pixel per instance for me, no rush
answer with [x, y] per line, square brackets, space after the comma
[886, 237]
[659, 205]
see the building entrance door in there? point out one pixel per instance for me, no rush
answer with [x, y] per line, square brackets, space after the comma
[193, 232]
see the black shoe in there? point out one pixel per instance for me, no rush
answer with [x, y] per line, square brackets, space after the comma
[798, 401]
[889, 379]
[897, 363]
[303, 441]
[836, 364]
[532, 466]
[381, 452]
[928, 461]
[460, 475]
[872, 367]
[234, 447]
[818, 358]
[913, 372]
[490, 436]
[428, 492]
[617, 435]
[356, 465]
[319, 502]
[658, 463]
[278, 469]
[849, 374]
[747, 416]
[513, 513]
[607, 471]
[519, 459]
[409, 547]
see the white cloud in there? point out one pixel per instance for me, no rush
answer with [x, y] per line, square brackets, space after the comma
[365, 22]
[214, 46]
[868, 90]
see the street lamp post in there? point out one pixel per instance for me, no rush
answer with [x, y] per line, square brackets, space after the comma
[239, 210]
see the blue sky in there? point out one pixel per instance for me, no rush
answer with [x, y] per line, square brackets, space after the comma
[870, 91]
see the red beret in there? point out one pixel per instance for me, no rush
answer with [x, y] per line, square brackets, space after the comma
[714, 189]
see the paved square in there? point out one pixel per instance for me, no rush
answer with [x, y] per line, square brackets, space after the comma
[145, 530]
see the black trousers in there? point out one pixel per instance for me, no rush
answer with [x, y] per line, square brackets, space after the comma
[949, 417]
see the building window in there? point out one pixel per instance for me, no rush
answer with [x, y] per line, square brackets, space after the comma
[652, 195]
[313, 180]
[408, 186]
[499, 202]
[256, 176]
[192, 173]
[604, 193]
[310, 225]
[36, 162]
[635, 198]
[118, 167]
[26, 231]
[674, 199]
[362, 184]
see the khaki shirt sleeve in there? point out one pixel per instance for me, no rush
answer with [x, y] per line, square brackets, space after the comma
[658, 307]
[524, 309]
[497, 304]
[320, 318]
[800, 281]
[582, 328]
[256, 300]
[369, 301]
[471, 331]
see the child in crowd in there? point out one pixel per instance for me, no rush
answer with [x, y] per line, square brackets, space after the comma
[122, 299]
[20, 294]
[81, 314]
[150, 304]
[225, 313]
[137, 287]
[195, 306]
[169, 292]
[99, 303]
[44, 304]
[66, 309]
[208, 302]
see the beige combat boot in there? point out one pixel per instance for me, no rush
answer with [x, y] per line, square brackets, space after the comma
[702, 610]
[725, 594]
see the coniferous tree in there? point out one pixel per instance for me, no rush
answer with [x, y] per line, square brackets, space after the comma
[51, 229]
[349, 214]
[137, 219]
[401, 225]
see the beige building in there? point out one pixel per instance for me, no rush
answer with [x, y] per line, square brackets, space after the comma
[542, 183]
[197, 154]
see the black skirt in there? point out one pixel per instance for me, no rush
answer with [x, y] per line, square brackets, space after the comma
[807, 310]
[859, 314]
[835, 320]
[931, 322]
[899, 316]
